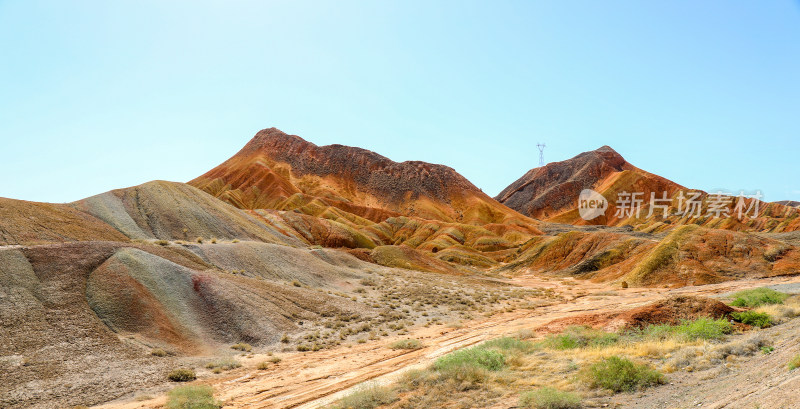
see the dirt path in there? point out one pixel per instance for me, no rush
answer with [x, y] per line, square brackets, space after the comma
[314, 379]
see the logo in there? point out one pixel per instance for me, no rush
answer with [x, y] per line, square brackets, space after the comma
[591, 204]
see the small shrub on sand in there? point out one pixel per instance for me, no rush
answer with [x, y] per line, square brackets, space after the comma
[199, 240]
[225, 364]
[758, 297]
[794, 363]
[192, 397]
[159, 352]
[181, 375]
[756, 319]
[620, 374]
[366, 397]
[242, 347]
[550, 398]
[406, 344]
[162, 242]
[269, 363]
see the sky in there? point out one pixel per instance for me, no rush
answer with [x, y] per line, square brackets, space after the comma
[99, 95]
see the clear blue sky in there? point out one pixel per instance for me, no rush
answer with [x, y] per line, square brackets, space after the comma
[97, 95]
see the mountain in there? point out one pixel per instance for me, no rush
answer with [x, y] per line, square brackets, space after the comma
[551, 193]
[790, 203]
[284, 172]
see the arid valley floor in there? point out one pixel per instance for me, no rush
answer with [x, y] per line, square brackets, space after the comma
[301, 276]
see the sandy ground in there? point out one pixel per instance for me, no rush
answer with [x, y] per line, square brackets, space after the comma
[315, 379]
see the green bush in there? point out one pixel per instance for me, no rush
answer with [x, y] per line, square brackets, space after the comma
[794, 363]
[406, 344]
[181, 375]
[508, 344]
[366, 397]
[192, 397]
[476, 357]
[620, 374]
[550, 398]
[757, 297]
[704, 328]
[756, 319]
[580, 337]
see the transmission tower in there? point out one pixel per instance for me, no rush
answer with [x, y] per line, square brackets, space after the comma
[541, 147]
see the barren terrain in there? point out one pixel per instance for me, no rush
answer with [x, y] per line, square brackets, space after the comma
[311, 380]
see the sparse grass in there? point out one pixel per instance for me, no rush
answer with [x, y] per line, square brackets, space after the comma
[269, 363]
[159, 352]
[580, 337]
[181, 375]
[794, 363]
[704, 328]
[192, 397]
[366, 397]
[620, 374]
[758, 297]
[756, 319]
[406, 344]
[244, 347]
[550, 398]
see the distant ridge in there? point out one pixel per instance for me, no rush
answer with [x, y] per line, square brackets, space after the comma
[550, 193]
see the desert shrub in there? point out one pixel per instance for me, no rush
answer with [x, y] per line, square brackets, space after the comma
[162, 242]
[199, 240]
[509, 344]
[757, 297]
[159, 352]
[296, 283]
[406, 344]
[550, 398]
[703, 357]
[269, 363]
[704, 328]
[285, 338]
[181, 375]
[475, 357]
[213, 240]
[242, 347]
[225, 364]
[366, 397]
[192, 397]
[620, 374]
[794, 363]
[580, 337]
[756, 319]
